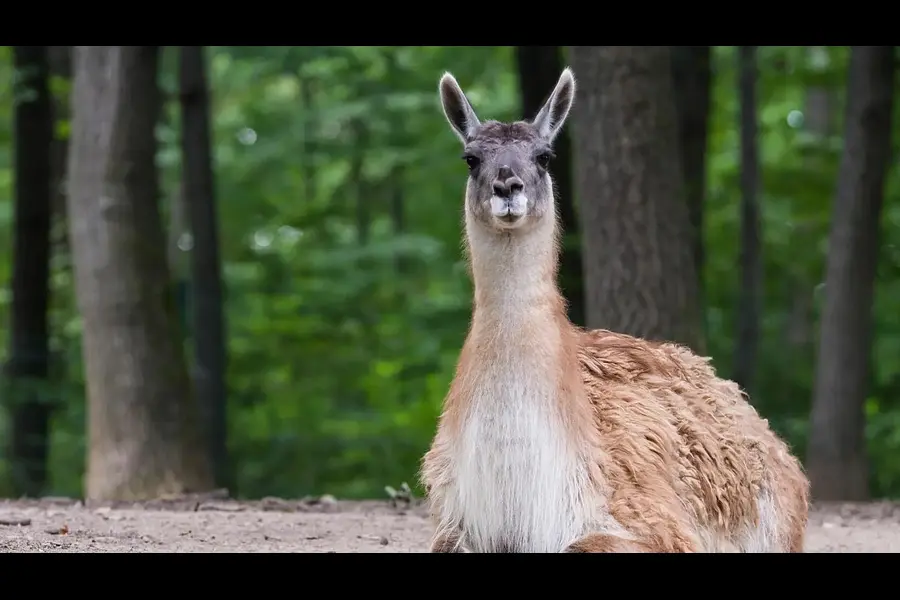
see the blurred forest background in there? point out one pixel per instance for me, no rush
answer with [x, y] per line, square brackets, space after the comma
[277, 305]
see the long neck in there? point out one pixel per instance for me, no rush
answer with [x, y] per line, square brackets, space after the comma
[515, 277]
[521, 339]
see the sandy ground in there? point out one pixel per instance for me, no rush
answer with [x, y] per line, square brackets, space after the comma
[212, 524]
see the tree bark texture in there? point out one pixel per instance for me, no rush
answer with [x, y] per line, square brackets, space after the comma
[27, 370]
[692, 74]
[836, 458]
[638, 259]
[751, 292]
[539, 70]
[206, 271]
[143, 434]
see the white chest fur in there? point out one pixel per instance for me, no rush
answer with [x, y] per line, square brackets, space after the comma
[518, 485]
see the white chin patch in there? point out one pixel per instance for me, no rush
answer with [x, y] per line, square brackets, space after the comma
[509, 209]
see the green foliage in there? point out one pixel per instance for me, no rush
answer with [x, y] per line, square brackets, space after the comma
[344, 321]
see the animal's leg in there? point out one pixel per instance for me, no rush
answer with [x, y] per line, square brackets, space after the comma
[447, 543]
[605, 543]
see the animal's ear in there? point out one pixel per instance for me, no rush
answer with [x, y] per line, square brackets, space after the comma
[457, 109]
[552, 116]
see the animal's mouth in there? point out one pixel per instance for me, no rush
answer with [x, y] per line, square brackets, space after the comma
[508, 221]
[509, 211]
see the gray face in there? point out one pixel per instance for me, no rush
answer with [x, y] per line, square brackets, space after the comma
[509, 185]
[508, 178]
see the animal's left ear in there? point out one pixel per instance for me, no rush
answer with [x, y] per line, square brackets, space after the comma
[552, 116]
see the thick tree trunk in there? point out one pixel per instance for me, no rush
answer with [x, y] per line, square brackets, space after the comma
[143, 433]
[692, 74]
[638, 258]
[206, 272]
[750, 299]
[836, 458]
[28, 366]
[539, 69]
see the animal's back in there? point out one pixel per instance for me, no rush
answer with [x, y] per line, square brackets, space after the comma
[691, 465]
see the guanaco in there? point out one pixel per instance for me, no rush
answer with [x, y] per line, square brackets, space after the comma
[558, 439]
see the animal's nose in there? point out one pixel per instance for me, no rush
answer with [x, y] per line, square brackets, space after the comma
[507, 183]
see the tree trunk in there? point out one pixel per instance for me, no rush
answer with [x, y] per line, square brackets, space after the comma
[638, 260]
[60, 58]
[539, 69]
[750, 297]
[209, 321]
[28, 366]
[836, 457]
[692, 74]
[143, 433]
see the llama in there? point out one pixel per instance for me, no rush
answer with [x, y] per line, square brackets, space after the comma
[558, 439]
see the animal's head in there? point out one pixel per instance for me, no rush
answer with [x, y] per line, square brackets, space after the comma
[509, 186]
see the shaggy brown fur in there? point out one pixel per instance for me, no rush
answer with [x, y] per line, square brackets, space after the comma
[684, 446]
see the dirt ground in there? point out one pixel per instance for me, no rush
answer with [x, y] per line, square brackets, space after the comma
[210, 524]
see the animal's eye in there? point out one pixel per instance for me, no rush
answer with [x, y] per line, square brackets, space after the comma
[543, 159]
[472, 160]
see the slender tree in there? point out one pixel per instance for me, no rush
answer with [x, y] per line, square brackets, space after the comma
[836, 458]
[29, 353]
[750, 299]
[692, 74]
[210, 350]
[60, 58]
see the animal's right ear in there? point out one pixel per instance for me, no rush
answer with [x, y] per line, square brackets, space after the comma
[457, 109]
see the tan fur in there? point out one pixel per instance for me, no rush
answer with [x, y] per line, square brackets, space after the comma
[686, 449]
[644, 448]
